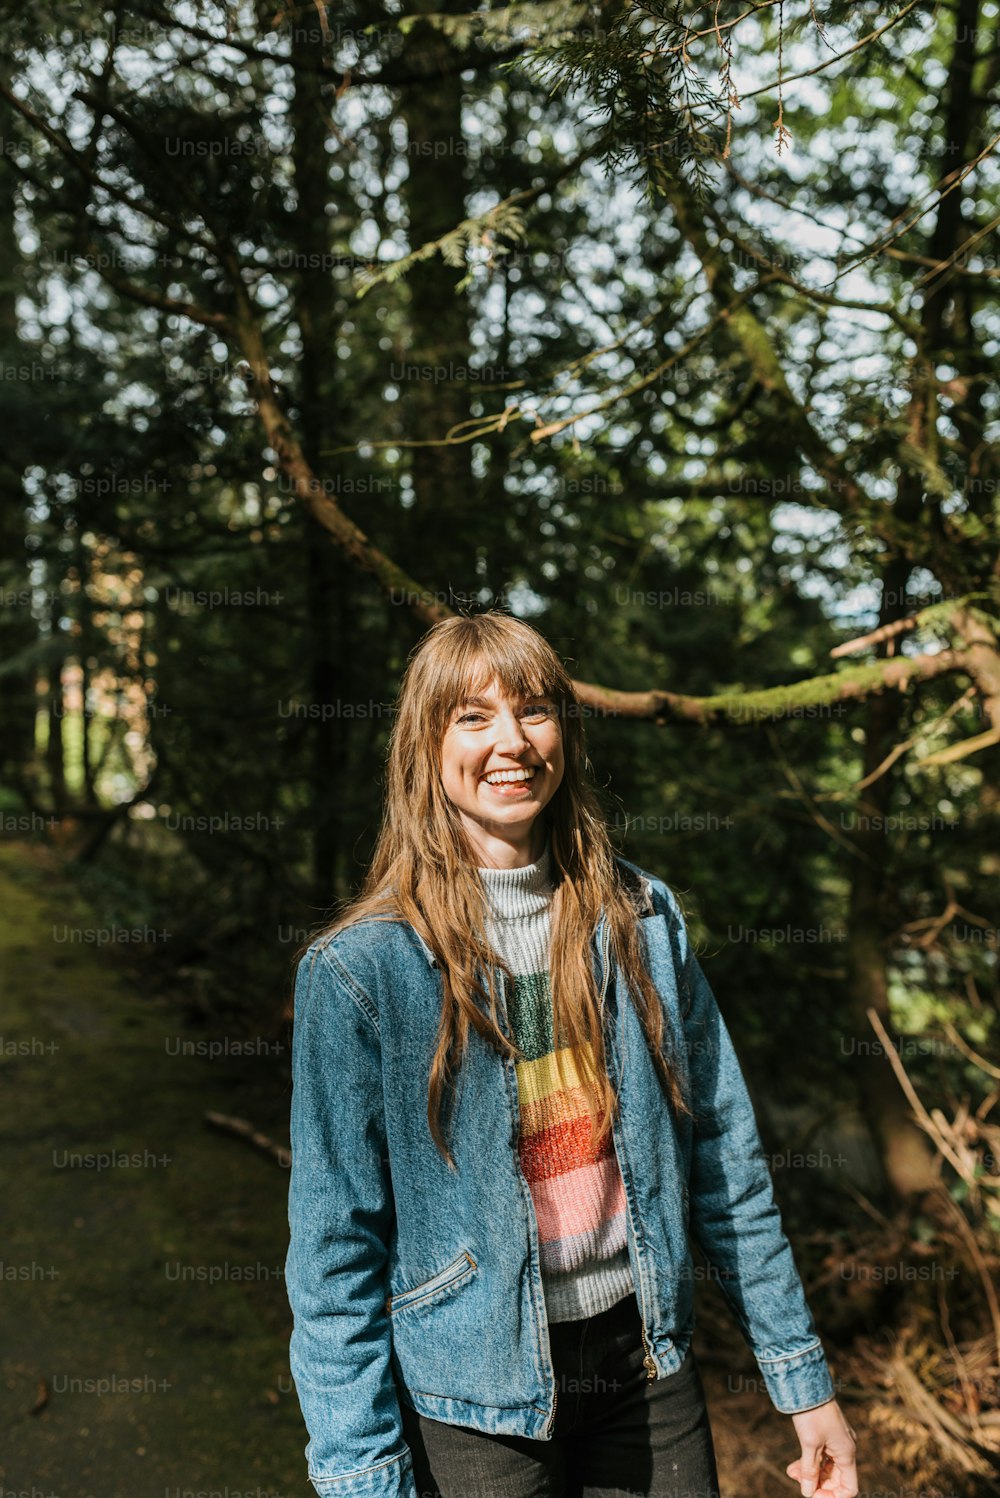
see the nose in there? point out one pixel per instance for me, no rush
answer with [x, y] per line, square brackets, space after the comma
[510, 736]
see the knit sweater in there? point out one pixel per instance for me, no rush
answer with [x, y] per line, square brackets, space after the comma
[578, 1195]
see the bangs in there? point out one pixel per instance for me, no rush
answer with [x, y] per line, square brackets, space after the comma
[515, 671]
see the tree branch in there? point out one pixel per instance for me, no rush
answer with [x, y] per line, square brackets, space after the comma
[305, 484]
[755, 341]
[800, 699]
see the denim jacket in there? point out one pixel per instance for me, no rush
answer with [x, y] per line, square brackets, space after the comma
[408, 1280]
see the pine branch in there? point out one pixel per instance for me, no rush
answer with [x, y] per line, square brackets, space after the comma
[865, 41]
[953, 179]
[149, 298]
[352, 540]
[758, 349]
[878, 636]
[503, 218]
[909, 325]
[732, 708]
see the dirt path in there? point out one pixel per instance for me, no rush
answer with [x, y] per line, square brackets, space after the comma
[142, 1299]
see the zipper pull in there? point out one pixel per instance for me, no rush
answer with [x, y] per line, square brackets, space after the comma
[647, 1361]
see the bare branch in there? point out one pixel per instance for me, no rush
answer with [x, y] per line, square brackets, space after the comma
[876, 637]
[821, 67]
[954, 181]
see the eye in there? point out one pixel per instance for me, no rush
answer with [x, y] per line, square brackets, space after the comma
[539, 709]
[467, 717]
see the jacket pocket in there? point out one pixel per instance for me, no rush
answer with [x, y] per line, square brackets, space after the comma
[458, 1270]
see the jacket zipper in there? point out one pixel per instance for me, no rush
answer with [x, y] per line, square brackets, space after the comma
[648, 1361]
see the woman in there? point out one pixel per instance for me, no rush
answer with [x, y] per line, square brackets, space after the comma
[489, 1266]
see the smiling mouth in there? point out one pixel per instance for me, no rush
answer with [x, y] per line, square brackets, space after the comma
[509, 781]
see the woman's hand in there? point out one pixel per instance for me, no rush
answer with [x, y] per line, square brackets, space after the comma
[826, 1468]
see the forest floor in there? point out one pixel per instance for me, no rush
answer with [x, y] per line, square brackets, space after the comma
[126, 1371]
[145, 1323]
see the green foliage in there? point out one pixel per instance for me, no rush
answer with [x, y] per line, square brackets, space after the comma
[524, 20]
[699, 531]
[634, 81]
[504, 221]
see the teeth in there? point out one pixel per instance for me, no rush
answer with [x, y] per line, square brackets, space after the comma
[497, 777]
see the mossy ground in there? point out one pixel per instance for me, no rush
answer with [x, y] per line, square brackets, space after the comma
[97, 1263]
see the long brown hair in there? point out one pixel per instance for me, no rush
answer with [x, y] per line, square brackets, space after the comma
[423, 869]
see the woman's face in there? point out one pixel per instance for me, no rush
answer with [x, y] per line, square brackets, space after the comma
[501, 763]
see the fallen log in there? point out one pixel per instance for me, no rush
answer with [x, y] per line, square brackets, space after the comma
[243, 1129]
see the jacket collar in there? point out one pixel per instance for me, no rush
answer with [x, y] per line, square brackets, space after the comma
[426, 949]
[644, 901]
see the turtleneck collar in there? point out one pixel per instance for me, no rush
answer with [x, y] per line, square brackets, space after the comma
[513, 894]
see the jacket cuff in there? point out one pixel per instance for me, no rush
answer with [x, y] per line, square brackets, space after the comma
[389, 1479]
[799, 1381]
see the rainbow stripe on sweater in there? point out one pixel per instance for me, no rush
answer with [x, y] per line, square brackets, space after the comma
[577, 1191]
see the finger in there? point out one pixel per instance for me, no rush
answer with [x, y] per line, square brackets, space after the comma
[847, 1472]
[840, 1482]
[808, 1474]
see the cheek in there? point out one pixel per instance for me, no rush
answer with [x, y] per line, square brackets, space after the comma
[451, 766]
[461, 767]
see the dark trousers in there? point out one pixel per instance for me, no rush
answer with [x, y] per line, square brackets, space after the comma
[617, 1434]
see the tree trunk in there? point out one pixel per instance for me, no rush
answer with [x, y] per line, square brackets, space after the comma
[433, 383]
[55, 754]
[18, 631]
[905, 1151]
[327, 570]
[86, 640]
[907, 1154]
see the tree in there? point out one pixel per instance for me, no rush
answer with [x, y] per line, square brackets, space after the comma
[684, 407]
